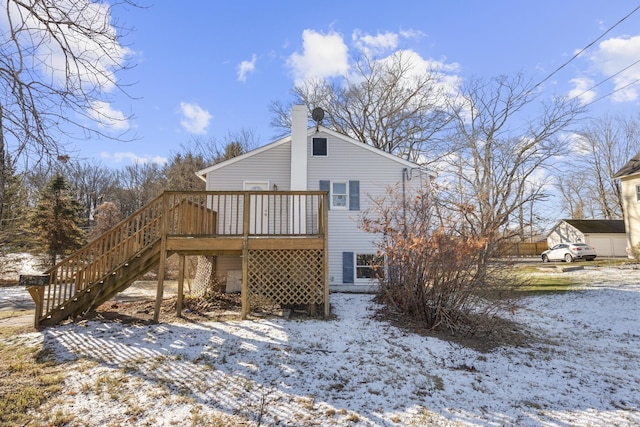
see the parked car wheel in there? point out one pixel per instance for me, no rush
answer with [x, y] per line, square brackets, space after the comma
[568, 258]
[545, 258]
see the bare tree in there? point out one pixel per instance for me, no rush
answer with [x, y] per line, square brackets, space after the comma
[499, 150]
[572, 188]
[106, 216]
[137, 185]
[532, 219]
[391, 104]
[603, 146]
[215, 151]
[93, 183]
[58, 65]
[180, 172]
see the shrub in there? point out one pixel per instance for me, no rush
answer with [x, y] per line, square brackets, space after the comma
[435, 272]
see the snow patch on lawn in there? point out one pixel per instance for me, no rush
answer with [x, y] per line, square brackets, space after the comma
[584, 371]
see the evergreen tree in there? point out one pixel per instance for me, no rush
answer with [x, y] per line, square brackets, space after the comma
[55, 219]
[13, 222]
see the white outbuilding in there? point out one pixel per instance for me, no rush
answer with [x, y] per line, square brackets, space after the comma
[608, 237]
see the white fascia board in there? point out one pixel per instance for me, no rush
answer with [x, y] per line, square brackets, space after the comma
[406, 163]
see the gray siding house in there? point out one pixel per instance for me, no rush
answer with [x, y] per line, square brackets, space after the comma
[317, 158]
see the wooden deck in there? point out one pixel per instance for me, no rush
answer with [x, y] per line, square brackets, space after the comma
[281, 236]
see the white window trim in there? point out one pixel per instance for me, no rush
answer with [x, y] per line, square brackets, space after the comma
[638, 193]
[355, 266]
[246, 185]
[331, 193]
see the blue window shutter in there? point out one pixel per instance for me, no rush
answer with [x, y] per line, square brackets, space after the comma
[354, 195]
[348, 267]
[326, 186]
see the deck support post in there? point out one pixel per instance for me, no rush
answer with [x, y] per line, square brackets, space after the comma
[36, 286]
[325, 258]
[245, 257]
[163, 257]
[161, 268]
[37, 294]
[181, 264]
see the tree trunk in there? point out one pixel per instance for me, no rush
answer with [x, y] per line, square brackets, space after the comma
[2, 170]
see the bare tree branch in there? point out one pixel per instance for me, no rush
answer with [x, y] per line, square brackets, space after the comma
[499, 150]
[388, 103]
[59, 61]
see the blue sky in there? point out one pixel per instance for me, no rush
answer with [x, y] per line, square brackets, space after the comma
[208, 68]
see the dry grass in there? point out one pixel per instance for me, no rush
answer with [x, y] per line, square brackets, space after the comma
[28, 378]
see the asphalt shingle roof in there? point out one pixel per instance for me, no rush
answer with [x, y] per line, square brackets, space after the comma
[597, 225]
[630, 168]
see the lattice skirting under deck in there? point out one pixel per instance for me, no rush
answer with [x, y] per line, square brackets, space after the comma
[294, 276]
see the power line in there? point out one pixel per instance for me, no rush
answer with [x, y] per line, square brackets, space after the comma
[606, 80]
[612, 92]
[586, 47]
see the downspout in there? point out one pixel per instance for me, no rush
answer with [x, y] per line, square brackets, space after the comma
[404, 203]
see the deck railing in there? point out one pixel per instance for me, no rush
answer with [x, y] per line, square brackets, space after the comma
[197, 214]
[255, 213]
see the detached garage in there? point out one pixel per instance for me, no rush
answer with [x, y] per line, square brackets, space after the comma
[608, 237]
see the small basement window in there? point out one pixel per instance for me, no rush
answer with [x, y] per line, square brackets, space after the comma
[319, 146]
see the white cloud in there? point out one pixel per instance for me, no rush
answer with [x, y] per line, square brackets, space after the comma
[614, 55]
[373, 45]
[446, 79]
[107, 117]
[246, 67]
[121, 157]
[324, 55]
[582, 89]
[412, 34]
[382, 43]
[195, 119]
[92, 53]
[93, 59]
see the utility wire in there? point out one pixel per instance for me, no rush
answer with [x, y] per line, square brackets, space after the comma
[585, 48]
[612, 92]
[604, 81]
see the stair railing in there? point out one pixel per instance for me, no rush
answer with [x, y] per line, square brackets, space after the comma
[100, 257]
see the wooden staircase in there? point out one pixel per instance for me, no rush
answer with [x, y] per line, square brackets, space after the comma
[106, 266]
[117, 281]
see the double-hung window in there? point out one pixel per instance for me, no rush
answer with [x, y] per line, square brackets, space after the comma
[367, 265]
[339, 195]
[343, 195]
[361, 268]
[637, 193]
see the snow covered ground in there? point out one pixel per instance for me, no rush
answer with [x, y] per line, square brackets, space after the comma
[584, 370]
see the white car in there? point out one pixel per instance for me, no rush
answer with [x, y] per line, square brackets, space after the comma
[569, 252]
